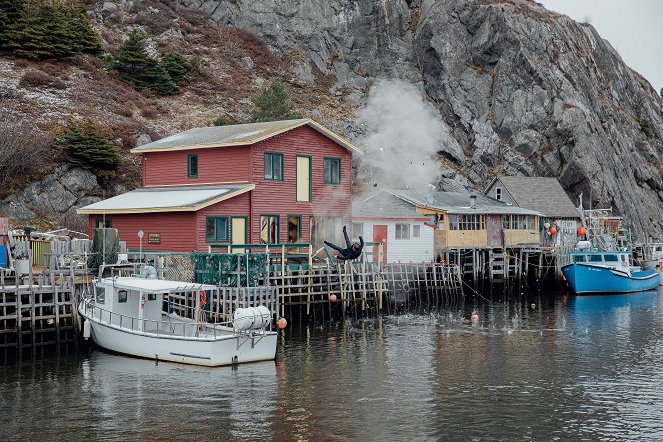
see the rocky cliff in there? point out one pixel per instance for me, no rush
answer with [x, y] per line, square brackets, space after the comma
[520, 90]
[523, 90]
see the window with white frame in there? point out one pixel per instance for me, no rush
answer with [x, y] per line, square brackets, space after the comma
[467, 222]
[402, 231]
[416, 231]
[498, 193]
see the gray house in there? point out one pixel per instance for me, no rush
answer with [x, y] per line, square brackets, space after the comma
[545, 195]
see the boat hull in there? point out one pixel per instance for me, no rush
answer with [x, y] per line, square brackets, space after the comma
[586, 279]
[213, 352]
[651, 265]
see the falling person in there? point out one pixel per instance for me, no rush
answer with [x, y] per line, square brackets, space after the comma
[353, 250]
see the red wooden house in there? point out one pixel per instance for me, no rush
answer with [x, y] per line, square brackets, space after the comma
[275, 182]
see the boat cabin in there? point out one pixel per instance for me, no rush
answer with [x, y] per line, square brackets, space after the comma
[616, 259]
[147, 305]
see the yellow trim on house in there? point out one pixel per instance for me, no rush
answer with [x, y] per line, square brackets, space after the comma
[195, 208]
[317, 126]
[195, 184]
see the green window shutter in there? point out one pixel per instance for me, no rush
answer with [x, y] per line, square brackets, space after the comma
[192, 165]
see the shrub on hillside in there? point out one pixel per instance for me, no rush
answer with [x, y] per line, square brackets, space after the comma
[41, 79]
[223, 120]
[176, 65]
[87, 147]
[272, 103]
[47, 29]
[24, 150]
[645, 126]
[135, 66]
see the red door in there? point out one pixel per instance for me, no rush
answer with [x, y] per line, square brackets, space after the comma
[380, 235]
[494, 228]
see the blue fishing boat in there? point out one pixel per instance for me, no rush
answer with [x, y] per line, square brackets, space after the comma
[607, 272]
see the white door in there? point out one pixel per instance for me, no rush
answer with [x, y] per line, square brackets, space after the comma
[238, 235]
[303, 178]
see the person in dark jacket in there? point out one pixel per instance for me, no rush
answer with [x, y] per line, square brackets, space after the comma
[353, 250]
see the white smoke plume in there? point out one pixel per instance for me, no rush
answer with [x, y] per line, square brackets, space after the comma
[404, 132]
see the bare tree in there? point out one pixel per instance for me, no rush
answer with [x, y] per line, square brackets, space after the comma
[24, 149]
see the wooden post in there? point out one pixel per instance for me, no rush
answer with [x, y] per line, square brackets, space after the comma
[363, 279]
[282, 279]
[379, 270]
[310, 280]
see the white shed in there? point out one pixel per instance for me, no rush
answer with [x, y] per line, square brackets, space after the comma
[386, 218]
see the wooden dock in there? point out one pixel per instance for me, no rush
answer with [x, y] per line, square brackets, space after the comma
[38, 310]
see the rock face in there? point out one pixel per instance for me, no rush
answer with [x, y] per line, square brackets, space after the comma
[59, 193]
[522, 90]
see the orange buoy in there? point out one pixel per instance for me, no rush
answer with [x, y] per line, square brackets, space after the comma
[474, 317]
[281, 323]
[582, 231]
[332, 298]
[553, 230]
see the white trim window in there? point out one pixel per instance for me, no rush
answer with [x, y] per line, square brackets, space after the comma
[498, 193]
[416, 231]
[402, 231]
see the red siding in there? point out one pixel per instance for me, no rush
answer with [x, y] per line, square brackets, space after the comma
[176, 229]
[215, 165]
[185, 231]
[279, 198]
[238, 206]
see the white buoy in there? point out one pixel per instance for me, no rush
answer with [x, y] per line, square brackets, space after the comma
[86, 330]
[252, 318]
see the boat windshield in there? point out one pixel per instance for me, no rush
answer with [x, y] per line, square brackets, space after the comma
[611, 258]
[595, 258]
[579, 258]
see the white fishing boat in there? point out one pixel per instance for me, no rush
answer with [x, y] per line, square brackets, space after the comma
[171, 321]
[653, 258]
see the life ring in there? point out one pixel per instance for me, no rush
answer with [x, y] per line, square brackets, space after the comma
[203, 298]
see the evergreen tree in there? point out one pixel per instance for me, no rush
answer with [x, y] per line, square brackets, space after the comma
[272, 104]
[176, 65]
[135, 66]
[52, 29]
[87, 147]
[84, 39]
[10, 12]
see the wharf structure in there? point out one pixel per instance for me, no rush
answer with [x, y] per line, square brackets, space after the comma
[38, 301]
[546, 196]
[486, 238]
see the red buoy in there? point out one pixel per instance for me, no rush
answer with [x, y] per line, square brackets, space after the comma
[553, 230]
[582, 231]
[281, 323]
[474, 317]
[332, 298]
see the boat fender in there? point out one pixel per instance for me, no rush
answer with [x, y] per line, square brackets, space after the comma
[86, 330]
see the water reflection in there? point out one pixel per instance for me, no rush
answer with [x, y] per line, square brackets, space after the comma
[537, 367]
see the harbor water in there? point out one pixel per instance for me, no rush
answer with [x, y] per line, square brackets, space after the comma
[539, 367]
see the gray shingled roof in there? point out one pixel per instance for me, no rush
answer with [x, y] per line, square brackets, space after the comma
[237, 135]
[166, 199]
[459, 203]
[384, 205]
[543, 194]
